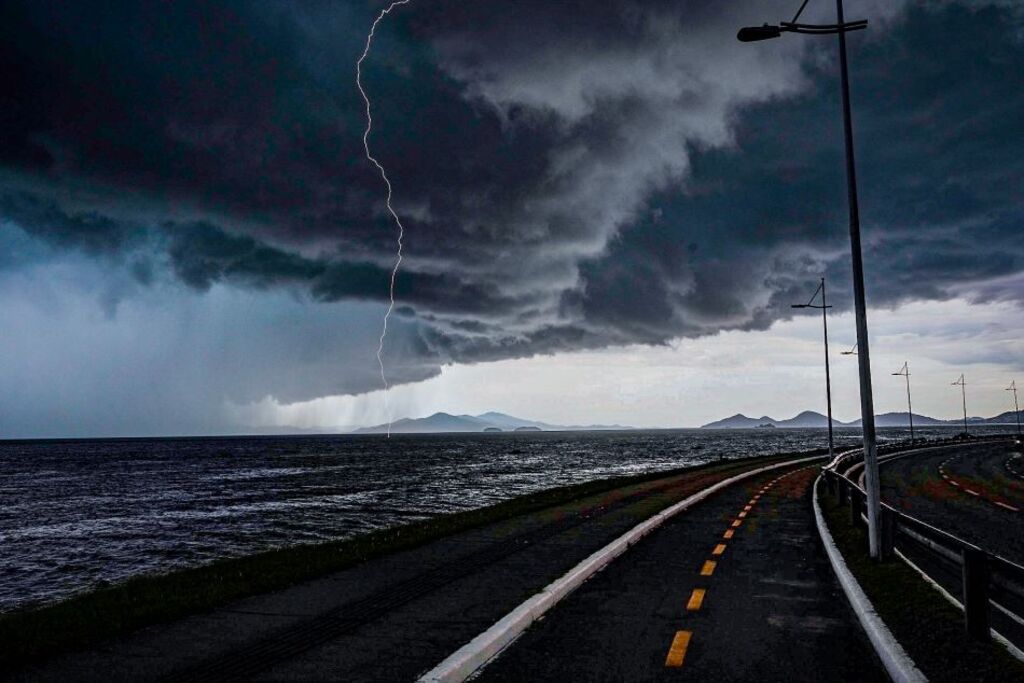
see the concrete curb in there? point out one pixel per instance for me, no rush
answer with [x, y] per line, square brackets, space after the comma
[897, 662]
[476, 653]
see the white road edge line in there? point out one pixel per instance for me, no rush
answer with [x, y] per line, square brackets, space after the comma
[475, 654]
[897, 662]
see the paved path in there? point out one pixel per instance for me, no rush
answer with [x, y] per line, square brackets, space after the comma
[972, 491]
[969, 490]
[386, 620]
[736, 589]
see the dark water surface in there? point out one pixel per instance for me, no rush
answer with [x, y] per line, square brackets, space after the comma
[83, 513]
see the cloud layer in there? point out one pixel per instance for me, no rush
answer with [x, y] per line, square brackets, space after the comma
[572, 175]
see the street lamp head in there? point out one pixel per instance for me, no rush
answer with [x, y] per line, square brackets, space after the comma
[750, 34]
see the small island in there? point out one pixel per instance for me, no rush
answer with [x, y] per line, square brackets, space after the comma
[493, 429]
[528, 429]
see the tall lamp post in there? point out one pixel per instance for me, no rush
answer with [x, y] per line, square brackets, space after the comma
[905, 372]
[828, 380]
[1016, 406]
[867, 409]
[962, 383]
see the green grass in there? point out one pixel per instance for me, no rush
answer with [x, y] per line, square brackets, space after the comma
[928, 627]
[34, 634]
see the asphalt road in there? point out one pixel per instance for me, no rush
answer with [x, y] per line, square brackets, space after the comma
[386, 620]
[736, 589]
[980, 498]
[973, 491]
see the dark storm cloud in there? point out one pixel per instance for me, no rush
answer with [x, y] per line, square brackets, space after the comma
[571, 175]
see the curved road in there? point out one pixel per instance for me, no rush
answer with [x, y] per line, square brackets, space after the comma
[969, 490]
[973, 491]
[738, 588]
[387, 619]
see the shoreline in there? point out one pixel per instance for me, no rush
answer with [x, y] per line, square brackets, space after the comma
[91, 617]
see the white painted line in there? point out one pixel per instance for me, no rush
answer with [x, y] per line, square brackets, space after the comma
[972, 492]
[475, 654]
[897, 662]
[1008, 507]
[954, 483]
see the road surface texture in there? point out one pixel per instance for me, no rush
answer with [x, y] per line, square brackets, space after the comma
[969, 490]
[974, 492]
[393, 618]
[737, 589]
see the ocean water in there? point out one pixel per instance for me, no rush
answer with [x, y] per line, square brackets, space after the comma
[77, 514]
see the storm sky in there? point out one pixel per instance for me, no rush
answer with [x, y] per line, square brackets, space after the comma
[191, 240]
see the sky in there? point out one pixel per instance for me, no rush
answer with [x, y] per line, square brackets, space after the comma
[608, 208]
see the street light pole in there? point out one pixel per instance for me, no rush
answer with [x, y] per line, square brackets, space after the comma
[828, 380]
[867, 409]
[962, 383]
[905, 372]
[1016, 406]
[867, 406]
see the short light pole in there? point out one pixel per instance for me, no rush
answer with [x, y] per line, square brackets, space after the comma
[1016, 406]
[905, 372]
[828, 380]
[867, 408]
[962, 383]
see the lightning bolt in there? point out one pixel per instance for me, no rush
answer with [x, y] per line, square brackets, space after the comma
[391, 209]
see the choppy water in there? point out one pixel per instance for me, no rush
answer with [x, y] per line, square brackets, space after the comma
[77, 514]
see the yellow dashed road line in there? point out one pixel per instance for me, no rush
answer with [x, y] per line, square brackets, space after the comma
[677, 653]
[681, 641]
[696, 599]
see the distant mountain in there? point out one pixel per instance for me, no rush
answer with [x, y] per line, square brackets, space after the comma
[738, 421]
[811, 419]
[900, 420]
[510, 423]
[1007, 418]
[490, 422]
[808, 419]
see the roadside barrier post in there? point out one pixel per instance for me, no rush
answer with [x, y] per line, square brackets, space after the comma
[830, 482]
[975, 577]
[844, 492]
[888, 534]
[856, 507]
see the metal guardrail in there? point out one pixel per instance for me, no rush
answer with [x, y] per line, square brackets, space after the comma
[986, 578]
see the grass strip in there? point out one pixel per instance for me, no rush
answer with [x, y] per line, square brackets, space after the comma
[928, 627]
[38, 633]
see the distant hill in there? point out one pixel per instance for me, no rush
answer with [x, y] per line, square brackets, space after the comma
[811, 419]
[900, 420]
[808, 419]
[489, 422]
[1007, 418]
[738, 421]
